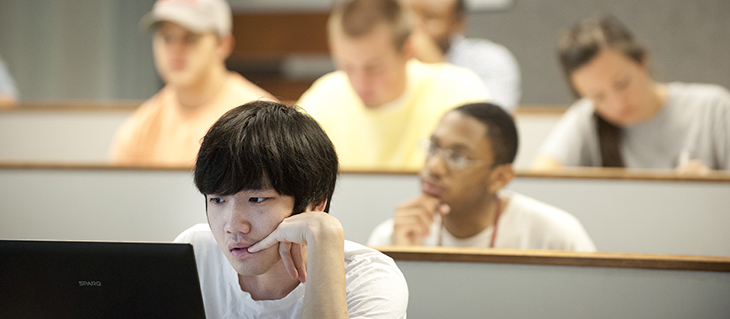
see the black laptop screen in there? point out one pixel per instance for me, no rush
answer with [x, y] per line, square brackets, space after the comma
[57, 279]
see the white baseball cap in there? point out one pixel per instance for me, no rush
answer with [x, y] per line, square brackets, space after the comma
[195, 15]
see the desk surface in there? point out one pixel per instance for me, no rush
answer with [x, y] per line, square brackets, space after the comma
[559, 258]
[130, 105]
[578, 173]
[74, 106]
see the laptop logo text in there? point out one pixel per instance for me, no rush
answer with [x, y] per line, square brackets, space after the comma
[89, 283]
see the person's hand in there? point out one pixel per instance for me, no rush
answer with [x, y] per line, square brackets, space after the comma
[693, 167]
[413, 219]
[294, 234]
[425, 48]
[689, 167]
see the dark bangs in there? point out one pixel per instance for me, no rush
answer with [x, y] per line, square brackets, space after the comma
[264, 144]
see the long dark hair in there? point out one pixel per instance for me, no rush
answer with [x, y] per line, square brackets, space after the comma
[578, 46]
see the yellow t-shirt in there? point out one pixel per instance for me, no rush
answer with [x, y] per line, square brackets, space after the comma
[161, 132]
[386, 137]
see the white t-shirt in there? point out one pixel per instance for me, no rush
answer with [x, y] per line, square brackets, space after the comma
[375, 286]
[695, 120]
[525, 223]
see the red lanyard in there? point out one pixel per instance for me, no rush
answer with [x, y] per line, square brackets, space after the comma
[496, 219]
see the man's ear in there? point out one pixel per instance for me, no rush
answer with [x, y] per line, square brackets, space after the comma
[645, 62]
[319, 207]
[458, 25]
[225, 46]
[501, 176]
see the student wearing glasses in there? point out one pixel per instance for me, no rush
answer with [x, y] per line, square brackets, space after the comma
[468, 163]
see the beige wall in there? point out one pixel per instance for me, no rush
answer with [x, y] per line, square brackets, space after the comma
[667, 217]
[85, 136]
[80, 49]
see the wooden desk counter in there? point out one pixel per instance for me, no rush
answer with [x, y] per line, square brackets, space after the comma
[558, 258]
[497, 283]
[74, 106]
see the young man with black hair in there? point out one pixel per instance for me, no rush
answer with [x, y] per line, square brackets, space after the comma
[270, 250]
[469, 161]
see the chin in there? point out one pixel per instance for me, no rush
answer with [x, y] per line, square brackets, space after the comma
[247, 271]
[369, 103]
[626, 121]
[619, 121]
[253, 267]
[181, 81]
[259, 263]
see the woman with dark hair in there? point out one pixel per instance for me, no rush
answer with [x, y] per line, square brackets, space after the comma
[626, 119]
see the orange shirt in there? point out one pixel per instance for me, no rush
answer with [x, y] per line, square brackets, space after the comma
[162, 132]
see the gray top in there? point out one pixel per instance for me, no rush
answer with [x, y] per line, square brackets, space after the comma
[694, 120]
[7, 85]
[494, 64]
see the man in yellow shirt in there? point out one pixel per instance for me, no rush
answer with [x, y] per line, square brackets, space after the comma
[191, 43]
[380, 102]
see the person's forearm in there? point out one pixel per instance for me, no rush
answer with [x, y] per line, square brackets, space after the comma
[545, 163]
[325, 295]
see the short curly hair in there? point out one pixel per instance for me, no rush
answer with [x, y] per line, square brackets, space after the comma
[357, 18]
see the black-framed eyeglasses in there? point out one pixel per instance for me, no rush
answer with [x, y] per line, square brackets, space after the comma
[453, 159]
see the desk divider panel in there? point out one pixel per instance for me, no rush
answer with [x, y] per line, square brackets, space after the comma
[82, 131]
[97, 202]
[61, 131]
[496, 283]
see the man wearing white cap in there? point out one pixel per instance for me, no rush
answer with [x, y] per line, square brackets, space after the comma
[191, 42]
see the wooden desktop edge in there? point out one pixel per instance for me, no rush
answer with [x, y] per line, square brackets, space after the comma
[558, 258]
[131, 105]
[33, 165]
[568, 173]
[624, 174]
[584, 173]
[74, 106]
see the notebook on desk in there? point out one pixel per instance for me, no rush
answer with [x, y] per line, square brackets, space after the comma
[60, 279]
